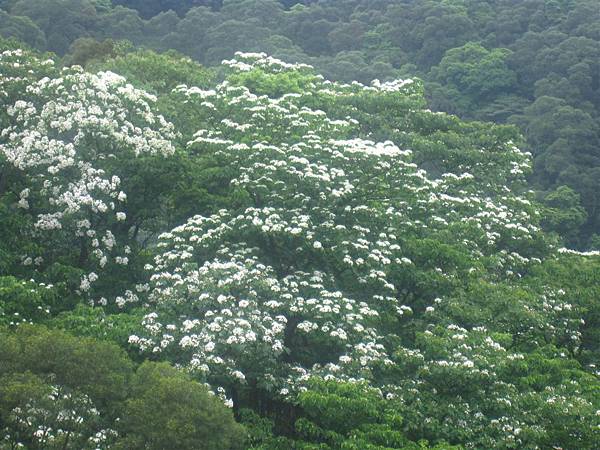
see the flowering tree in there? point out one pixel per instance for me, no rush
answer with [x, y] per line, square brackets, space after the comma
[340, 244]
[64, 145]
[346, 247]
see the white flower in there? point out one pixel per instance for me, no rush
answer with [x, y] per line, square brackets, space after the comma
[239, 375]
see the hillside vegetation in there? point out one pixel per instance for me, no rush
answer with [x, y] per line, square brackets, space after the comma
[374, 227]
[533, 63]
[342, 267]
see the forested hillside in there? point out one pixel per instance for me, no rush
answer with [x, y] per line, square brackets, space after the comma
[533, 63]
[203, 248]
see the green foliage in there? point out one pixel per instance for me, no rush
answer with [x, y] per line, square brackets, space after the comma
[563, 213]
[59, 391]
[168, 410]
[532, 386]
[273, 84]
[579, 278]
[150, 8]
[344, 416]
[23, 29]
[99, 370]
[25, 301]
[94, 322]
[158, 73]
[569, 137]
[474, 75]
[85, 50]
[62, 21]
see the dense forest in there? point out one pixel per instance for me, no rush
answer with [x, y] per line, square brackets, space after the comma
[532, 63]
[318, 225]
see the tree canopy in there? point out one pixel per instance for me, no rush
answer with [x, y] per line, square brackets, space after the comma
[498, 61]
[340, 265]
[268, 224]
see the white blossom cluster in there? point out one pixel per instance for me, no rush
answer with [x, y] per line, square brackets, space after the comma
[66, 136]
[578, 253]
[19, 68]
[478, 373]
[235, 315]
[245, 61]
[59, 420]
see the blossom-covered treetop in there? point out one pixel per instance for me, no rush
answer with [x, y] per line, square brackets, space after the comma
[364, 240]
[339, 232]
